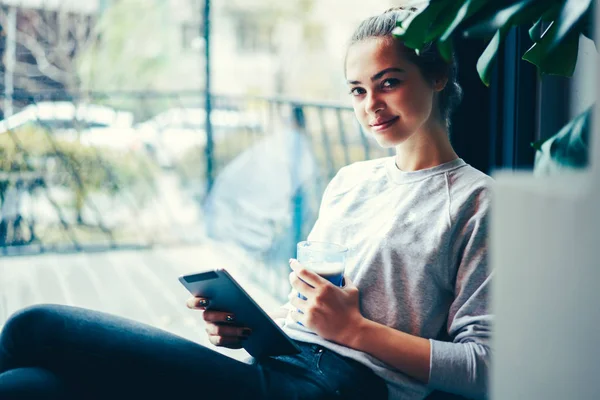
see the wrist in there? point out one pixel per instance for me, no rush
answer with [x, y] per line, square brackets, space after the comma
[353, 336]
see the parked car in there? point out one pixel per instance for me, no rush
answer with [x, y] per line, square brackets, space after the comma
[91, 124]
[169, 134]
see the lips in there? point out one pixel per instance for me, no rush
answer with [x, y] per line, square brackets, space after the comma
[383, 123]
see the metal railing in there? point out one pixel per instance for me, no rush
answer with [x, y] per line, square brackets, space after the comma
[74, 177]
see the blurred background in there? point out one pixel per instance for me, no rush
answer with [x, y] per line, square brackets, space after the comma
[143, 139]
[104, 136]
[113, 181]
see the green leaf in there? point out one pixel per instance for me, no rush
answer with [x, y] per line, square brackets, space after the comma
[413, 33]
[443, 21]
[534, 31]
[568, 148]
[571, 14]
[500, 18]
[561, 60]
[552, 13]
[486, 63]
[570, 145]
[446, 49]
[549, 15]
[537, 145]
[468, 8]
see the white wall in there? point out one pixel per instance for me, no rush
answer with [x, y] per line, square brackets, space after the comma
[585, 77]
[545, 243]
[545, 252]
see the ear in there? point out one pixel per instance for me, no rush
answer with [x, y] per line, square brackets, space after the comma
[440, 83]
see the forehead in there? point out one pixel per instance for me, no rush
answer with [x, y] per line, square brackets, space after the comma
[369, 56]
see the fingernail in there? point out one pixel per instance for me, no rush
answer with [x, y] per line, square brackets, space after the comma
[291, 260]
[202, 303]
[230, 318]
[246, 331]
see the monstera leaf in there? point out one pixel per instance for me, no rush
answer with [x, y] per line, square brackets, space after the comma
[567, 149]
[555, 27]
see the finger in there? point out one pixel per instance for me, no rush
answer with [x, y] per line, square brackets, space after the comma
[227, 330]
[298, 317]
[218, 316]
[226, 341]
[298, 303]
[299, 285]
[311, 278]
[293, 294]
[197, 303]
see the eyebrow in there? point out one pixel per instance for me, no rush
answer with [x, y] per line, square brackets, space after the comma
[379, 75]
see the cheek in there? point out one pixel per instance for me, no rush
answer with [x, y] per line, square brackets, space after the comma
[359, 112]
[415, 103]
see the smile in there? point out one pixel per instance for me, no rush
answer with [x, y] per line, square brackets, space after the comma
[380, 126]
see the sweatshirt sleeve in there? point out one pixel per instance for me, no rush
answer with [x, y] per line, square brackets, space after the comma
[461, 366]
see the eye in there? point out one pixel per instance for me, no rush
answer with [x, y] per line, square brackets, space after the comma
[357, 91]
[390, 83]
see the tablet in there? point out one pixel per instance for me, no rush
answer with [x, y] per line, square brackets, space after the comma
[225, 294]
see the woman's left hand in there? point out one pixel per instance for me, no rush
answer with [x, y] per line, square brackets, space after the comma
[330, 311]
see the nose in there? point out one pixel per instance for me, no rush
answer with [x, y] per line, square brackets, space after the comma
[374, 103]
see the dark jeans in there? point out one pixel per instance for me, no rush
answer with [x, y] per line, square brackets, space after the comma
[62, 352]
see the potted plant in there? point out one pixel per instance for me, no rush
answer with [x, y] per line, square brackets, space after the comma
[555, 27]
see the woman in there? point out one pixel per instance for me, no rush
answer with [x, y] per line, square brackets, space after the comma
[411, 318]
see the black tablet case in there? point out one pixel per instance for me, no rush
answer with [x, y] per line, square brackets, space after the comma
[225, 294]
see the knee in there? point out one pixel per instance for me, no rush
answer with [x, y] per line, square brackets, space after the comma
[30, 383]
[30, 319]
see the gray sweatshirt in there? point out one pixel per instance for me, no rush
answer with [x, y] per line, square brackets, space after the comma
[418, 254]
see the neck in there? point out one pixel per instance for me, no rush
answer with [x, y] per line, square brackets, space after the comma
[428, 147]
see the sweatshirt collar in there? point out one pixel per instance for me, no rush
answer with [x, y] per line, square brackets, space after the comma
[400, 177]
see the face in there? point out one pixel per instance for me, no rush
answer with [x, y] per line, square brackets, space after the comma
[390, 96]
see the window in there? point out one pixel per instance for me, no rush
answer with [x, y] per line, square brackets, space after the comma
[254, 35]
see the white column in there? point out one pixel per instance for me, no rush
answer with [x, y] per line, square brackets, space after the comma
[545, 251]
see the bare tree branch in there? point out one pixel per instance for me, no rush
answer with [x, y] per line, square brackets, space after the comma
[53, 39]
[92, 37]
[60, 55]
[75, 26]
[31, 85]
[27, 70]
[39, 53]
[42, 28]
[62, 27]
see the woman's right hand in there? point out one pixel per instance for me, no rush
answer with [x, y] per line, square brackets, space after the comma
[221, 327]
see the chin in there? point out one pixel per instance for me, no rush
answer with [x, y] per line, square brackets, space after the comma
[389, 141]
